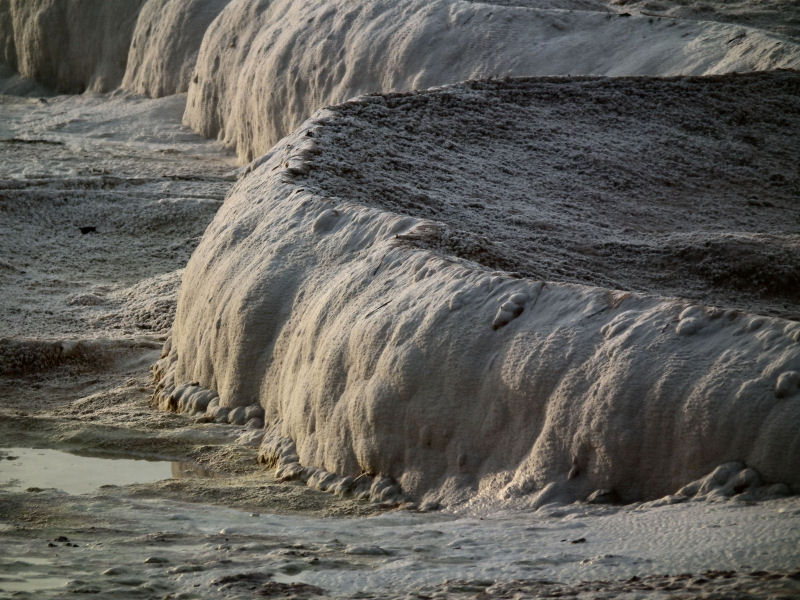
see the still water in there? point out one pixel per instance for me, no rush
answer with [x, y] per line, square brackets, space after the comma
[23, 468]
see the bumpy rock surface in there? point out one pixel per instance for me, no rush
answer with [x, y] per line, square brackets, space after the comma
[378, 341]
[70, 45]
[165, 43]
[264, 67]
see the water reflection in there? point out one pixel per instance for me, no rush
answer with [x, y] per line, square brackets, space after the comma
[25, 468]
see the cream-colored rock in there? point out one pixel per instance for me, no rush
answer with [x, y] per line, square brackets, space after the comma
[264, 67]
[377, 347]
[165, 42]
[69, 45]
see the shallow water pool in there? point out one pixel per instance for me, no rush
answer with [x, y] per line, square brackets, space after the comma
[24, 468]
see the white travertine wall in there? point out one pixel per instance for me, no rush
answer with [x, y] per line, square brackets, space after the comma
[69, 45]
[265, 66]
[165, 43]
[375, 355]
[255, 69]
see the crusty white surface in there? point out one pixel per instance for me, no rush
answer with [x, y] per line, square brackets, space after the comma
[377, 349]
[264, 67]
[72, 46]
[165, 43]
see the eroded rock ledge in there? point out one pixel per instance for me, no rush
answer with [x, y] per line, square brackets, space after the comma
[373, 349]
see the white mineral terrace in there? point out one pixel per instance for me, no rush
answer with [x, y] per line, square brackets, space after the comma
[440, 297]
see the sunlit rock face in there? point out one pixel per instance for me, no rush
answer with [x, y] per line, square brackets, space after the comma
[340, 289]
[255, 70]
[165, 43]
[264, 67]
[69, 45]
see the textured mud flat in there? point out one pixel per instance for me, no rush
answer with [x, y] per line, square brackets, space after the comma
[137, 542]
[711, 584]
[103, 201]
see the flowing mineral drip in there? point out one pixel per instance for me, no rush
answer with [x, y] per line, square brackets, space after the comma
[70, 46]
[165, 43]
[255, 70]
[264, 67]
[377, 345]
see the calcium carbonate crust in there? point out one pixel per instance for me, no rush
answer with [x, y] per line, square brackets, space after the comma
[165, 43]
[363, 350]
[73, 46]
[264, 67]
[145, 46]
[255, 70]
[391, 371]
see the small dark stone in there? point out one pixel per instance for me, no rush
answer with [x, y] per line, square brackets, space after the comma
[603, 497]
[579, 541]
[241, 579]
[61, 538]
[88, 229]
[293, 590]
